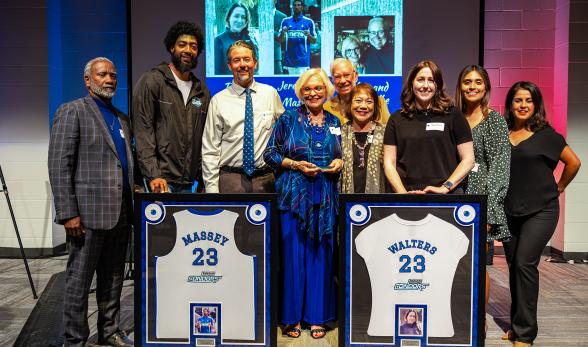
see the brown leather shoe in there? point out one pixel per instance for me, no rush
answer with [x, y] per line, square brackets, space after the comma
[521, 344]
[508, 336]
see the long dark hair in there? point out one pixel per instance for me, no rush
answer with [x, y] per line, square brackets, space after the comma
[441, 101]
[537, 119]
[369, 90]
[459, 99]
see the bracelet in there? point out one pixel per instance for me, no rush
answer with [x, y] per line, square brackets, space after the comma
[292, 166]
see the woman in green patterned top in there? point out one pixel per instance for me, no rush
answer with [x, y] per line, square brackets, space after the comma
[490, 174]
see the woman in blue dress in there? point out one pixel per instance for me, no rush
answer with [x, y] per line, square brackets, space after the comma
[305, 152]
[237, 28]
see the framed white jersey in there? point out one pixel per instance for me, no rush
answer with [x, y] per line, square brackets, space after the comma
[201, 256]
[411, 271]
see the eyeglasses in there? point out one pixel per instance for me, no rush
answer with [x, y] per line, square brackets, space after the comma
[350, 51]
[317, 90]
[376, 33]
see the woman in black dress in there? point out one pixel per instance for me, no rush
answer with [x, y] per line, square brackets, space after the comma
[532, 204]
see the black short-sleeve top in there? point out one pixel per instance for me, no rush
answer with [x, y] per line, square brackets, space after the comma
[532, 185]
[426, 145]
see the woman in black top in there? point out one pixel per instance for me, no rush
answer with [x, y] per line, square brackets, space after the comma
[427, 143]
[532, 204]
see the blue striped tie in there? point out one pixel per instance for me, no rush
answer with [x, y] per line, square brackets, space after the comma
[248, 140]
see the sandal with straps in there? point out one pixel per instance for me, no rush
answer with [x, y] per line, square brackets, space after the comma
[320, 331]
[292, 331]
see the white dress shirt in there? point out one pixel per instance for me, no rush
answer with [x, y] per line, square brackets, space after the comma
[222, 142]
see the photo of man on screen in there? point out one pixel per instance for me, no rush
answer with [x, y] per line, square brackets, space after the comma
[368, 42]
[379, 56]
[298, 32]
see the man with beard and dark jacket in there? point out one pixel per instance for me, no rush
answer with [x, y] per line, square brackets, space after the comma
[168, 116]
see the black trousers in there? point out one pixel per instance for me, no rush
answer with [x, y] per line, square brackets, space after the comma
[102, 252]
[530, 235]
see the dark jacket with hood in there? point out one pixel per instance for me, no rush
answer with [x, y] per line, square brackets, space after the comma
[168, 134]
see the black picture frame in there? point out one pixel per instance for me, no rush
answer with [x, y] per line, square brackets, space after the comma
[477, 247]
[217, 200]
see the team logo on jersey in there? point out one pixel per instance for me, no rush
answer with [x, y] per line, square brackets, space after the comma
[205, 277]
[411, 284]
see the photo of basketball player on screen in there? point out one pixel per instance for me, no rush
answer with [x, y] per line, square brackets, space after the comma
[299, 36]
[410, 322]
[367, 41]
[236, 22]
[205, 320]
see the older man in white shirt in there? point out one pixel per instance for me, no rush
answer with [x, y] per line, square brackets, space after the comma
[238, 126]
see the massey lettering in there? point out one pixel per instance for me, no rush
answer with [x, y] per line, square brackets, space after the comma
[420, 244]
[205, 236]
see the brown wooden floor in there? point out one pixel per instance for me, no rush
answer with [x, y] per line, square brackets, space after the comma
[563, 303]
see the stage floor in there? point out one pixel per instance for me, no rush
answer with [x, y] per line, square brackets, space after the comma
[563, 303]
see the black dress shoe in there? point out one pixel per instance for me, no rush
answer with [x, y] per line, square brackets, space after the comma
[119, 339]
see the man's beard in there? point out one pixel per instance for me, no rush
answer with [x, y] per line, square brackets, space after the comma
[177, 61]
[100, 91]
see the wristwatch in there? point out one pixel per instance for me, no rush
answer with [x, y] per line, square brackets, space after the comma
[448, 185]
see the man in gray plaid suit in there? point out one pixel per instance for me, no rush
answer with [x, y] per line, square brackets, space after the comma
[91, 170]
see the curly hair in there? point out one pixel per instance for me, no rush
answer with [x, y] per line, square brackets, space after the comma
[537, 119]
[441, 101]
[184, 28]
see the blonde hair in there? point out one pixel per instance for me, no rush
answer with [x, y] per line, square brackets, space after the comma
[306, 75]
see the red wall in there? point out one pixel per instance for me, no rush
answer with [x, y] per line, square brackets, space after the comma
[519, 44]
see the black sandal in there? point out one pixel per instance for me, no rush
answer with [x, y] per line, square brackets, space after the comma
[321, 331]
[292, 332]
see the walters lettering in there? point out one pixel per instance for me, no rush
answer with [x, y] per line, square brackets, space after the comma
[419, 244]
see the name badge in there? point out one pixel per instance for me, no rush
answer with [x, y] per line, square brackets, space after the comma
[122, 134]
[435, 126]
[335, 130]
[476, 167]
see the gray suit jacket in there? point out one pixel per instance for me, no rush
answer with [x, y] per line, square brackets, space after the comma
[84, 170]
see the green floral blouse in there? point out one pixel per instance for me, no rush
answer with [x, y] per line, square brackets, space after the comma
[491, 172]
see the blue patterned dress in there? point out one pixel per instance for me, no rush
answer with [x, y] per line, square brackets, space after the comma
[308, 210]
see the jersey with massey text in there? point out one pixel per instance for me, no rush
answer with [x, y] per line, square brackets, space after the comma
[205, 265]
[413, 263]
